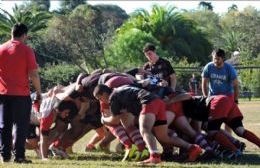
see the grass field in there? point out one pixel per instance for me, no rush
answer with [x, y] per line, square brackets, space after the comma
[251, 157]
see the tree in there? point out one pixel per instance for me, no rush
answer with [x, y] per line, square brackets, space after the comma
[233, 7]
[69, 5]
[208, 23]
[35, 21]
[206, 5]
[41, 5]
[126, 49]
[231, 41]
[245, 24]
[35, 6]
[182, 76]
[113, 14]
[77, 38]
[63, 74]
[177, 35]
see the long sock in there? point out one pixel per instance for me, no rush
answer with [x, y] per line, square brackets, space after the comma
[90, 146]
[120, 133]
[63, 145]
[202, 142]
[224, 141]
[137, 138]
[251, 137]
[232, 139]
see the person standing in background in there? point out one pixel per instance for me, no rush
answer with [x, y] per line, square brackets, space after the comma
[220, 78]
[194, 85]
[17, 66]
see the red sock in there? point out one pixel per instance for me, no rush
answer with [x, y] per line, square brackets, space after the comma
[57, 143]
[232, 139]
[120, 133]
[155, 155]
[251, 137]
[224, 141]
[90, 146]
[137, 138]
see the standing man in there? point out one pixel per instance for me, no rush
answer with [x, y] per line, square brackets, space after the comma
[159, 67]
[194, 85]
[17, 66]
[220, 78]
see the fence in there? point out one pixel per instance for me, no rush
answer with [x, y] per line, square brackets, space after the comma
[245, 90]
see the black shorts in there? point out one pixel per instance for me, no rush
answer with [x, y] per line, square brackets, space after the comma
[31, 134]
[93, 116]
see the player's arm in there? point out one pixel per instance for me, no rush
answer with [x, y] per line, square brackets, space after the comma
[204, 85]
[173, 81]
[35, 78]
[236, 89]
[179, 97]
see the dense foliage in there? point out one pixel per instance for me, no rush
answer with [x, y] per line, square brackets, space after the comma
[87, 37]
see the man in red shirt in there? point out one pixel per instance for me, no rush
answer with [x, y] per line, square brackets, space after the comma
[17, 66]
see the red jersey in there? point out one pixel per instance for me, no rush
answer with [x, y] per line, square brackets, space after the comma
[16, 61]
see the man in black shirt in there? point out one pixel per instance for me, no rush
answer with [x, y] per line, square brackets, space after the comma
[127, 102]
[159, 67]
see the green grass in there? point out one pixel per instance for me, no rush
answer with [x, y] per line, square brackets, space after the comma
[250, 159]
[252, 99]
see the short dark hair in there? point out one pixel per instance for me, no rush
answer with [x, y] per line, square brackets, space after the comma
[68, 105]
[19, 29]
[100, 89]
[132, 71]
[219, 53]
[149, 47]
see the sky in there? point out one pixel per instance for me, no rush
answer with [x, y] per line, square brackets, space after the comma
[131, 5]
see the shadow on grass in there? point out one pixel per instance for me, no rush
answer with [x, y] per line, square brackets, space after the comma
[114, 160]
[245, 159]
[96, 156]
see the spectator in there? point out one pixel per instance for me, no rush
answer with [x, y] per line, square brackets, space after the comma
[159, 67]
[17, 65]
[194, 85]
[221, 78]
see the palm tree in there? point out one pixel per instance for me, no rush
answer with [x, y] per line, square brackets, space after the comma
[206, 5]
[232, 40]
[161, 22]
[176, 34]
[35, 21]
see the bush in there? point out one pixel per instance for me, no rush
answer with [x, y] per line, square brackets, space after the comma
[183, 76]
[63, 74]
